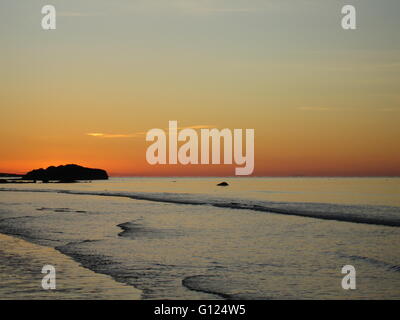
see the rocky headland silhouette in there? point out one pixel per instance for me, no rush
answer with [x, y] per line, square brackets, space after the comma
[66, 173]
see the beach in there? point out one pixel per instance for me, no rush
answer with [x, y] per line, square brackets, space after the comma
[186, 238]
[21, 277]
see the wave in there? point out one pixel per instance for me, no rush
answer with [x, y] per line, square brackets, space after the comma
[134, 230]
[223, 286]
[379, 263]
[199, 283]
[366, 214]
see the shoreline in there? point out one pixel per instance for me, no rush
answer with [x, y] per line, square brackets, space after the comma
[316, 210]
[20, 275]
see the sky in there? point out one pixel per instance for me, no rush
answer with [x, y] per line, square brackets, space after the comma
[323, 101]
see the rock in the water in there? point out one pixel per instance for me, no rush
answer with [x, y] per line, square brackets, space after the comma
[223, 184]
[67, 173]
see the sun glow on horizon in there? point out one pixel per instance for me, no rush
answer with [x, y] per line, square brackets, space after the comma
[322, 101]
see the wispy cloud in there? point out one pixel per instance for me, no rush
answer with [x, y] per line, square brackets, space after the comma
[110, 135]
[199, 126]
[316, 109]
[388, 109]
[197, 6]
[211, 7]
[140, 133]
[78, 14]
[369, 109]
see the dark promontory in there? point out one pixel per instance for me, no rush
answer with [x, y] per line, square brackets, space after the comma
[67, 173]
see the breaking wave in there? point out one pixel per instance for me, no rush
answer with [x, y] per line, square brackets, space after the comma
[367, 214]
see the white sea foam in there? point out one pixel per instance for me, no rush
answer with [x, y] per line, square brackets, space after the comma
[369, 214]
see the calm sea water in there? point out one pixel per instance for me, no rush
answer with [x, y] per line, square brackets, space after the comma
[186, 238]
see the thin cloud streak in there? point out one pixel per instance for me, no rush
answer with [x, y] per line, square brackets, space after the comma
[78, 14]
[316, 109]
[140, 133]
[107, 135]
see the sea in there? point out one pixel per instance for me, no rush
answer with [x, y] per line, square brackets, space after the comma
[188, 238]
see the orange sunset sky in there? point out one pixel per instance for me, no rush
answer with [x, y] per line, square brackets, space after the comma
[322, 100]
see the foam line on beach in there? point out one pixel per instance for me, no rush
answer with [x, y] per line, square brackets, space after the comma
[366, 214]
[195, 283]
[21, 276]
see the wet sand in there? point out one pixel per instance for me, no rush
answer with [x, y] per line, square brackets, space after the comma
[21, 263]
